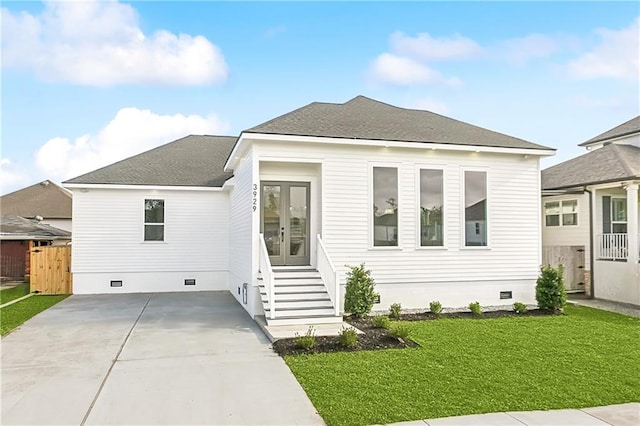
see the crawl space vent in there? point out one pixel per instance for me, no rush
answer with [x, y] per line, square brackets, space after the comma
[116, 283]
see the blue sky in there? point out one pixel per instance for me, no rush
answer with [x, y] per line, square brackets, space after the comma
[87, 84]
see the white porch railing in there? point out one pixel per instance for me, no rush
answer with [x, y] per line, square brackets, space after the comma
[612, 246]
[329, 274]
[267, 277]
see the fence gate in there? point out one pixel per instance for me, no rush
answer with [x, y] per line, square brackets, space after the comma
[51, 270]
[572, 260]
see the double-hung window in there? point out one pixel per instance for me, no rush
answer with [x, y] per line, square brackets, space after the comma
[619, 215]
[153, 220]
[385, 207]
[475, 208]
[557, 213]
[431, 207]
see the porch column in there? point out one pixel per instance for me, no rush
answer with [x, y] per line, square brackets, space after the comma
[632, 222]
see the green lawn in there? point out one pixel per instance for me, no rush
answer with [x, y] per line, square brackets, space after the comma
[585, 358]
[14, 315]
[13, 293]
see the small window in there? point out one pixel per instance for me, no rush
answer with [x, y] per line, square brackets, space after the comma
[431, 208]
[569, 212]
[619, 215]
[154, 220]
[385, 206]
[552, 213]
[475, 208]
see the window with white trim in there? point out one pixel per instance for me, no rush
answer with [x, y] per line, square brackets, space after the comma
[552, 213]
[385, 206]
[618, 215]
[475, 208]
[431, 210]
[561, 213]
[569, 212]
[153, 220]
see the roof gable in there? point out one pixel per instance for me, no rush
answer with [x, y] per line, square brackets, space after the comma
[44, 199]
[627, 128]
[364, 118]
[190, 161]
[16, 227]
[608, 164]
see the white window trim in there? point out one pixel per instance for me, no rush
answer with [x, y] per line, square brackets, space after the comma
[371, 226]
[560, 221]
[418, 191]
[577, 212]
[164, 224]
[618, 222]
[463, 228]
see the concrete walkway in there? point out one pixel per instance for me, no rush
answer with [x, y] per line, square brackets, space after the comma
[613, 415]
[606, 305]
[188, 358]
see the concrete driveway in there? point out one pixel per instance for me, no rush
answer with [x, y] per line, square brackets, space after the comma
[173, 358]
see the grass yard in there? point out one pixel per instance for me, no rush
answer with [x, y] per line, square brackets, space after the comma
[14, 293]
[585, 358]
[15, 315]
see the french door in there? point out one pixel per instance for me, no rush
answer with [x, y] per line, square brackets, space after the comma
[284, 221]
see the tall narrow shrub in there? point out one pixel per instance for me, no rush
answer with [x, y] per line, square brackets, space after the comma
[550, 291]
[359, 293]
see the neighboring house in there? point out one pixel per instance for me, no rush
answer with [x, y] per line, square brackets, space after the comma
[44, 201]
[590, 215]
[275, 215]
[17, 236]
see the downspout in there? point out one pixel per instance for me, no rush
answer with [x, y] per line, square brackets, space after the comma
[591, 247]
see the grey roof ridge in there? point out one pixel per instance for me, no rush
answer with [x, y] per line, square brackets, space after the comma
[287, 113]
[139, 154]
[600, 137]
[623, 160]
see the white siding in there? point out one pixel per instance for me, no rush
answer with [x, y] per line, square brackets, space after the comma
[510, 262]
[241, 234]
[617, 281]
[574, 235]
[108, 241]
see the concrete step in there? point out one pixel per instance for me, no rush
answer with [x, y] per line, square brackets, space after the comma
[299, 304]
[309, 320]
[288, 289]
[296, 275]
[297, 281]
[309, 295]
[301, 312]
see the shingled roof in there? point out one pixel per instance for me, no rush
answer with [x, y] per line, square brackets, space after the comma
[14, 227]
[364, 118]
[190, 161]
[44, 199]
[628, 128]
[611, 163]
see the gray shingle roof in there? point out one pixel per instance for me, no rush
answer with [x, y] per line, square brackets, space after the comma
[44, 199]
[190, 161]
[14, 227]
[364, 118]
[608, 164]
[627, 128]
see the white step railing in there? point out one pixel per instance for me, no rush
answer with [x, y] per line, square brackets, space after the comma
[612, 246]
[329, 274]
[267, 277]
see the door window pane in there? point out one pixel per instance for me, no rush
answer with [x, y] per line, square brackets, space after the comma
[385, 206]
[475, 208]
[271, 218]
[298, 219]
[431, 208]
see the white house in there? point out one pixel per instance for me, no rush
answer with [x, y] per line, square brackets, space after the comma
[276, 214]
[590, 209]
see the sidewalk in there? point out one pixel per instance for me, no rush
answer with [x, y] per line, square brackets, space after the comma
[606, 305]
[612, 415]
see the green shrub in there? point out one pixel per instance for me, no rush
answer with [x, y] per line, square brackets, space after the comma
[348, 337]
[394, 311]
[435, 308]
[307, 341]
[550, 291]
[400, 332]
[359, 295]
[519, 308]
[475, 308]
[381, 321]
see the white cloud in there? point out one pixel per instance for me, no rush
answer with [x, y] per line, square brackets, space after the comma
[426, 47]
[533, 46]
[130, 132]
[432, 105]
[101, 44]
[11, 176]
[616, 56]
[403, 71]
[274, 31]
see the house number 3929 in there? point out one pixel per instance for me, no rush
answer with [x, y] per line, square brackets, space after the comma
[254, 200]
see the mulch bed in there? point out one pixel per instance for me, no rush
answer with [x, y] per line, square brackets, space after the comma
[379, 338]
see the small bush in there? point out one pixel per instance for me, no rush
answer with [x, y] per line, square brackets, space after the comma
[475, 308]
[359, 295]
[519, 308]
[394, 311]
[550, 291]
[381, 321]
[400, 332]
[348, 337]
[307, 341]
[435, 308]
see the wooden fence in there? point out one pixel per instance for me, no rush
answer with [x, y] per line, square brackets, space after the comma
[51, 270]
[572, 260]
